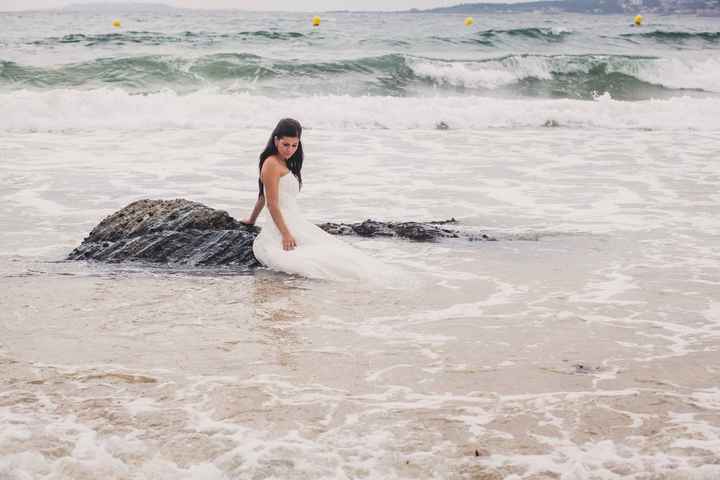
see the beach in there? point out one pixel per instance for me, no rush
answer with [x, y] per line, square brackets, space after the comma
[582, 344]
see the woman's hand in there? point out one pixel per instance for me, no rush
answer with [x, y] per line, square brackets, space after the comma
[259, 205]
[288, 242]
[270, 175]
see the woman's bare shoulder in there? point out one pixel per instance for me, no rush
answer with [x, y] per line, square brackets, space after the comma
[273, 167]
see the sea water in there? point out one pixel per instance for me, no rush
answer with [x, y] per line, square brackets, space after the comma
[582, 344]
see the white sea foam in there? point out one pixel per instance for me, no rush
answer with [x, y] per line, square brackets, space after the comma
[703, 73]
[113, 109]
[689, 71]
[488, 74]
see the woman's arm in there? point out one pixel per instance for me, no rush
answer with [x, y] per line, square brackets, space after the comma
[259, 205]
[270, 176]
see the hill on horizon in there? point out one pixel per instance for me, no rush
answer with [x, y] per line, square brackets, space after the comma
[582, 6]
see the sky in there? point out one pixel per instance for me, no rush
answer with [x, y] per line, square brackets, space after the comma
[282, 5]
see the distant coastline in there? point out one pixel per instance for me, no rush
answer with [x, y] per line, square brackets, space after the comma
[692, 7]
[597, 7]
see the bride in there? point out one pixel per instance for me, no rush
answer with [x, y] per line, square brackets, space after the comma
[289, 243]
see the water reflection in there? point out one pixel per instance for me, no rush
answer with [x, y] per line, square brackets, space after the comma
[280, 304]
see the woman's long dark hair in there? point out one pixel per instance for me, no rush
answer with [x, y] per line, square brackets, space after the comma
[287, 127]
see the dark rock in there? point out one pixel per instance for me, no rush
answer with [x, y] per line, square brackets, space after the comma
[581, 368]
[189, 233]
[170, 231]
[421, 232]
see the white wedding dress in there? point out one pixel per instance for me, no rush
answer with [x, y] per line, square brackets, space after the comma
[317, 254]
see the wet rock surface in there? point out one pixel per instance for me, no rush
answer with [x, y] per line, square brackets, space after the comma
[421, 232]
[170, 231]
[190, 233]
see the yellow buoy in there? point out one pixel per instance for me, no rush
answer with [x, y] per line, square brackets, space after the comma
[638, 20]
[116, 23]
[469, 21]
[316, 21]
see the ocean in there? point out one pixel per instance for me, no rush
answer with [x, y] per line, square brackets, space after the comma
[582, 344]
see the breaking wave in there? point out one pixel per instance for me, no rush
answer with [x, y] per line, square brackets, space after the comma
[550, 76]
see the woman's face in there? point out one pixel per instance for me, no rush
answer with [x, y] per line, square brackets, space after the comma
[287, 146]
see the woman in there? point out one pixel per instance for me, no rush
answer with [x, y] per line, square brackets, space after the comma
[289, 243]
